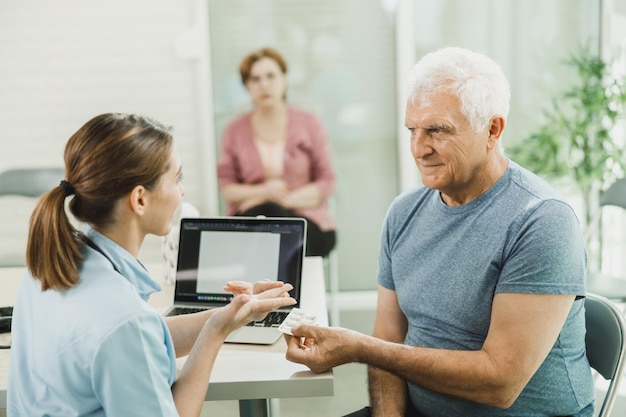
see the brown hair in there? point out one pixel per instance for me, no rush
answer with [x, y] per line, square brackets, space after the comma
[104, 160]
[246, 65]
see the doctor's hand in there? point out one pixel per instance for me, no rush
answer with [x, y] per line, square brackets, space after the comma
[244, 287]
[246, 307]
[322, 348]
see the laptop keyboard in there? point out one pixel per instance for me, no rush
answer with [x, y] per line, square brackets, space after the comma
[177, 311]
[273, 318]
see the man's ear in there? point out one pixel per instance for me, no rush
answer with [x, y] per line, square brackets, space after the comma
[138, 199]
[496, 127]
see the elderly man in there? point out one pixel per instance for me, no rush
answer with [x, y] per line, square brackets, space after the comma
[481, 271]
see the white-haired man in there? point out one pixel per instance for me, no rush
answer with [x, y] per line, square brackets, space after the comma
[481, 271]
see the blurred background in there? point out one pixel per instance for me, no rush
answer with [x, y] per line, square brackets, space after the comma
[63, 62]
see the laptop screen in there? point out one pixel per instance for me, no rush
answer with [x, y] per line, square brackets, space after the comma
[213, 251]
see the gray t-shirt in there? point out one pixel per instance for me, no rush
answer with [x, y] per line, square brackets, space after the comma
[446, 263]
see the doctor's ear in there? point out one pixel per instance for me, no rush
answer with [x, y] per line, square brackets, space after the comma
[138, 199]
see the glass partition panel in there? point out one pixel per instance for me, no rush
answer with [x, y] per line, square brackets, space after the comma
[341, 66]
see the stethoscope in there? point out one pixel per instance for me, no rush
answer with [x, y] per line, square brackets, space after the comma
[95, 247]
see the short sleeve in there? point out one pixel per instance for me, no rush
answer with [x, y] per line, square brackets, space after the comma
[548, 255]
[134, 369]
[385, 272]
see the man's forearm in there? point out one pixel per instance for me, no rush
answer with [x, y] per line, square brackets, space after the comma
[469, 375]
[492, 379]
[388, 393]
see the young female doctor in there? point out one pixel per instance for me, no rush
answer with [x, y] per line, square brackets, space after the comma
[84, 340]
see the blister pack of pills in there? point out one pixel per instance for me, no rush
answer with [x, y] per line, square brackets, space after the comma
[295, 318]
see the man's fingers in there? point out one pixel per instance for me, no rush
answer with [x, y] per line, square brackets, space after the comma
[294, 349]
[305, 330]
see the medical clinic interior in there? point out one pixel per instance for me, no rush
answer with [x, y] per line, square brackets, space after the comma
[349, 62]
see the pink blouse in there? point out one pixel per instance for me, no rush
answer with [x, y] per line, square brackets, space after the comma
[307, 159]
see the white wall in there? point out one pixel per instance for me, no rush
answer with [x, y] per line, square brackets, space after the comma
[63, 62]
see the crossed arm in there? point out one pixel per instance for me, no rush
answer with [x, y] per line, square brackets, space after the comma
[276, 191]
[523, 329]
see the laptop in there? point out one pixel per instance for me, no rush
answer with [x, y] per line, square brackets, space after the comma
[213, 251]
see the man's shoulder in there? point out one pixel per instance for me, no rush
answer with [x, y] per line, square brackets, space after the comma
[534, 192]
[411, 196]
[533, 184]
[535, 197]
[406, 204]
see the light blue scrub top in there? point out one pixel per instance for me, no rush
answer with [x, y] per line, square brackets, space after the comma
[97, 349]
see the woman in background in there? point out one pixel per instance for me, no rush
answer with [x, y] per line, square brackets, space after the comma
[84, 340]
[275, 160]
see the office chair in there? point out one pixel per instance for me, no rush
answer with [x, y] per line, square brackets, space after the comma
[615, 195]
[5, 323]
[610, 287]
[28, 183]
[606, 345]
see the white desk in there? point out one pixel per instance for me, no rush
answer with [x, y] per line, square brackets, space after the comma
[248, 373]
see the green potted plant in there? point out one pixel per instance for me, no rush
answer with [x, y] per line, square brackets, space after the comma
[577, 139]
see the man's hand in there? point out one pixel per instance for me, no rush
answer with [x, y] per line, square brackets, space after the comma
[321, 348]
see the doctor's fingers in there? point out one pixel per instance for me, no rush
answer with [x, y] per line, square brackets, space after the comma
[269, 304]
[278, 291]
[239, 287]
[265, 285]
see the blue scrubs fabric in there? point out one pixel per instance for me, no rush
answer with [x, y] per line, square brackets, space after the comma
[97, 349]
